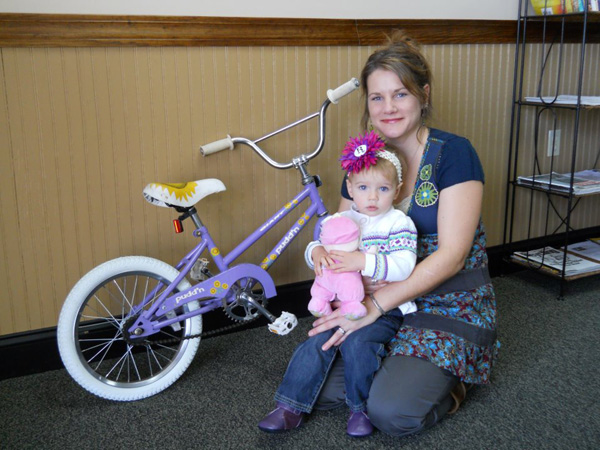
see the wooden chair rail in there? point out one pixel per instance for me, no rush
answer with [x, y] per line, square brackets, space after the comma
[65, 30]
[54, 30]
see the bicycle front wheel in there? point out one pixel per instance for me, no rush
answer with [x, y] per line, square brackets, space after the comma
[90, 328]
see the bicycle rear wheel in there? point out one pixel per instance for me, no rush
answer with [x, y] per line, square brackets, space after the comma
[90, 331]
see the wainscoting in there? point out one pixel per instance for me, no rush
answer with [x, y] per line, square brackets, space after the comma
[94, 108]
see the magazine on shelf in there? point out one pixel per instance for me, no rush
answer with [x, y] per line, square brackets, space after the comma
[552, 259]
[570, 6]
[589, 250]
[586, 100]
[593, 5]
[584, 182]
[548, 7]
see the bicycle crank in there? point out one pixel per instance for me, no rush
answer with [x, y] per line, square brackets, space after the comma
[249, 302]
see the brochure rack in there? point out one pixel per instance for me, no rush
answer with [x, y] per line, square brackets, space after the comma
[553, 110]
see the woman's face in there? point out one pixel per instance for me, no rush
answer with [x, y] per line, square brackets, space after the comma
[393, 110]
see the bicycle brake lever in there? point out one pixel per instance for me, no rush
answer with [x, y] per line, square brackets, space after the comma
[283, 324]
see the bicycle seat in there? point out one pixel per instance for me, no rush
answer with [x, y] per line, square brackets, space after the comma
[181, 194]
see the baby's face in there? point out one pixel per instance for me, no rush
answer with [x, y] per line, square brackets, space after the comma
[372, 192]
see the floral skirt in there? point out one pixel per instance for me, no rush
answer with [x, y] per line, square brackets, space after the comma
[470, 362]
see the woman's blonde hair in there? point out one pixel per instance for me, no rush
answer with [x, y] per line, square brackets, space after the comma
[402, 56]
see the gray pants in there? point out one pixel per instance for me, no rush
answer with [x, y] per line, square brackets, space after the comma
[408, 394]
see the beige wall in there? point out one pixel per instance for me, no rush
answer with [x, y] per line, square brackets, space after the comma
[82, 130]
[382, 9]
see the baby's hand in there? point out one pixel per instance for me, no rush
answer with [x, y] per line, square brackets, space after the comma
[347, 261]
[321, 259]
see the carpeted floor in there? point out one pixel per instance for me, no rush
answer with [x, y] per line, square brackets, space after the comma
[544, 393]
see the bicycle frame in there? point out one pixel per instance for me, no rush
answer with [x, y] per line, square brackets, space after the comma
[217, 286]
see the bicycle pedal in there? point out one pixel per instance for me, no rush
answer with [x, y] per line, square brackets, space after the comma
[283, 324]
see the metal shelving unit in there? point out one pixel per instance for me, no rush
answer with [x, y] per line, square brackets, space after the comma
[555, 32]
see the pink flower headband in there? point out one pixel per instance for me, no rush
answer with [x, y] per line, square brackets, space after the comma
[362, 152]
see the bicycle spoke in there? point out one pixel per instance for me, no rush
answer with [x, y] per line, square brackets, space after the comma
[147, 301]
[149, 361]
[165, 357]
[104, 347]
[97, 340]
[132, 359]
[121, 361]
[166, 347]
[168, 334]
[104, 350]
[130, 304]
[112, 296]
[153, 354]
[134, 288]
[101, 303]
[96, 323]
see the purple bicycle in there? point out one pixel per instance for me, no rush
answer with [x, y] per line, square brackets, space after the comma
[131, 327]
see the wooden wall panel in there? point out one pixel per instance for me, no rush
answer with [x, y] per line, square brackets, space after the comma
[83, 129]
[11, 262]
[473, 99]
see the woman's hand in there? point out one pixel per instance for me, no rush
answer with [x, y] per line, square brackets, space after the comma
[337, 320]
[345, 326]
[372, 286]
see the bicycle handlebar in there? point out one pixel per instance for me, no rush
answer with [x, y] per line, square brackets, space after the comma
[333, 96]
[217, 146]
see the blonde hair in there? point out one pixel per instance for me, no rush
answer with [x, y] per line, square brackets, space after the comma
[402, 56]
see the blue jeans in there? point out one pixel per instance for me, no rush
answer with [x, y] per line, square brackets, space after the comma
[362, 352]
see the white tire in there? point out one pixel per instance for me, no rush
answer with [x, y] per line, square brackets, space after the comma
[90, 331]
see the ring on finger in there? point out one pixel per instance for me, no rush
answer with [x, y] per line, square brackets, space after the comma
[342, 330]
[373, 281]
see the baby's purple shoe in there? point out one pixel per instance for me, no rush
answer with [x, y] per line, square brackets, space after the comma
[359, 425]
[282, 418]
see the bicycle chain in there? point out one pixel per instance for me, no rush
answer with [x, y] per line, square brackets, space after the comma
[197, 335]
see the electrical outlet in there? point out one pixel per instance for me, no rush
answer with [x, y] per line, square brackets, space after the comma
[553, 141]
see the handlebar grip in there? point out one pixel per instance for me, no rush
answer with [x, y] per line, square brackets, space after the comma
[334, 95]
[217, 146]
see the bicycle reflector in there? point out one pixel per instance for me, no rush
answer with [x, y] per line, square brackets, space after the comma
[178, 226]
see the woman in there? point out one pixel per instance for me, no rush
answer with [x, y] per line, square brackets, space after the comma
[451, 340]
